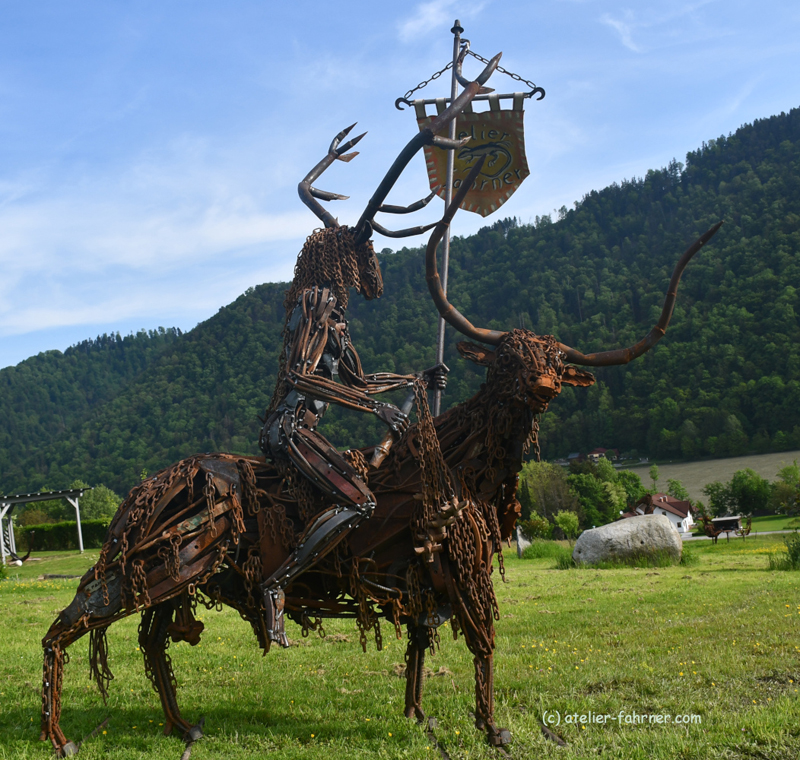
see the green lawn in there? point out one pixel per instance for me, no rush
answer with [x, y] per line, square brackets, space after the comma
[774, 522]
[719, 638]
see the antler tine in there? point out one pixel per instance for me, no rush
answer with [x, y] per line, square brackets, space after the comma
[408, 232]
[449, 312]
[624, 355]
[336, 140]
[308, 193]
[386, 209]
[422, 138]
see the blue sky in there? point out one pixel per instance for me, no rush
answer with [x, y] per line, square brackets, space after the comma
[150, 151]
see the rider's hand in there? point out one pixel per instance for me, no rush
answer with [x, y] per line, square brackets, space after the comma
[436, 377]
[393, 417]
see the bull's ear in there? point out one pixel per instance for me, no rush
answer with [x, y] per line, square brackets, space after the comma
[475, 353]
[577, 377]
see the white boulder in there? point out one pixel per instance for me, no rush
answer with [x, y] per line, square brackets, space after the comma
[627, 539]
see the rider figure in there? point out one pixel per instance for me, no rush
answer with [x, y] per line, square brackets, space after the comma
[317, 353]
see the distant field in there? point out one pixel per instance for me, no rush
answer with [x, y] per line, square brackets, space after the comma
[716, 639]
[695, 475]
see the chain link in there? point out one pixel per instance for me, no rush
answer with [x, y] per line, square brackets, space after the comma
[427, 81]
[515, 77]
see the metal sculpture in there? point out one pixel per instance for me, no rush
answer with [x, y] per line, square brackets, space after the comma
[709, 529]
[313, 534]
[744, 531]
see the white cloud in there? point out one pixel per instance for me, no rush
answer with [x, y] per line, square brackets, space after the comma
[435, 15]
[427, 17]
[624, 28]
[659, 27]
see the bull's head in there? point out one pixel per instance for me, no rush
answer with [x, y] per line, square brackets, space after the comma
[525, 371]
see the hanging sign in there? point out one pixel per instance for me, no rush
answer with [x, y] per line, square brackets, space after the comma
[496, 134]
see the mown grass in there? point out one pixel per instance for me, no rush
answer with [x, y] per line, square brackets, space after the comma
[719, 639]
[774, 522]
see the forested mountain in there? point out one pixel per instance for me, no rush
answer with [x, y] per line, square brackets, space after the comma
[725, 380]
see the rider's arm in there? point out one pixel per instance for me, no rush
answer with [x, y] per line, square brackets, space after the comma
[309, 326]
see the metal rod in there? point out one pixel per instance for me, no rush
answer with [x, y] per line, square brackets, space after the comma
[76, 504]
[3, 509]
[448, 197]
[507, 96]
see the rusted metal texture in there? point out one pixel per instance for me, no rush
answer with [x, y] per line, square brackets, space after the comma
[309, 533]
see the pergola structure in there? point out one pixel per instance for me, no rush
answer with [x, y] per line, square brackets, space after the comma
[8, 544]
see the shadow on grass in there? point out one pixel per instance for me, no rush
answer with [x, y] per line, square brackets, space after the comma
[139, 729]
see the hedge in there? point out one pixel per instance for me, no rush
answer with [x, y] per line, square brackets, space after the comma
[62, 535]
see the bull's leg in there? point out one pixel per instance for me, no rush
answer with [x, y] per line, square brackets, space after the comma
[484, 701]
[415, 661]
[55, 644]
[153, 641]
[480, 641]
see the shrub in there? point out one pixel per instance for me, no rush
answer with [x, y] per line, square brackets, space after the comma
[64, 535]
[564, 560]
[791, 559]
[544, 549]
[535, 528]
[568, 522]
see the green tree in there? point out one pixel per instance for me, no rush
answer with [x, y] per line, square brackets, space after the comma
[593, 498]
[750, 492]
[785, 495]
[547, 489]
[97, 502]
[654, 476]
[676, 489]
[720, 498]
[525, 499]
[568, 522]
[632, 483]
[536, 527]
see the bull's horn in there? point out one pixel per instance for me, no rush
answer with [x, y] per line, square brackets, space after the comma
[449, 312]
[624, 355]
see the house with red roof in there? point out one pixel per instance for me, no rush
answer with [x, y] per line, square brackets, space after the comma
[610, 454]
[679, 512]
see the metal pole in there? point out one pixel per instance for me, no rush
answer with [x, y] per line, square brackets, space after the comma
[78, 518]
[3, 509]
[448, 197]
[11, 539]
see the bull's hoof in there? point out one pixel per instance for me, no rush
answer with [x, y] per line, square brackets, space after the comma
[500, 738]
[194, 733]
[69, 749]
[415, 711]
[432, 723]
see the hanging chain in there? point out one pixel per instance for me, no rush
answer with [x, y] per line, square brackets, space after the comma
[405, 98]
[515, 77]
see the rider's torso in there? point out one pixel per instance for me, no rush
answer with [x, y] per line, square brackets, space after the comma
[320, 340]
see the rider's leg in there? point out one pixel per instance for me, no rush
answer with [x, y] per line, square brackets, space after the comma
[352, 502]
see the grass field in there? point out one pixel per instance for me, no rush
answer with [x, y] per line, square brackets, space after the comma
[774, 522]
[719, 639]
[696, 475]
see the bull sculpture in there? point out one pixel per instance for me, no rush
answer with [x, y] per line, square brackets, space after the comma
[214, 528]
